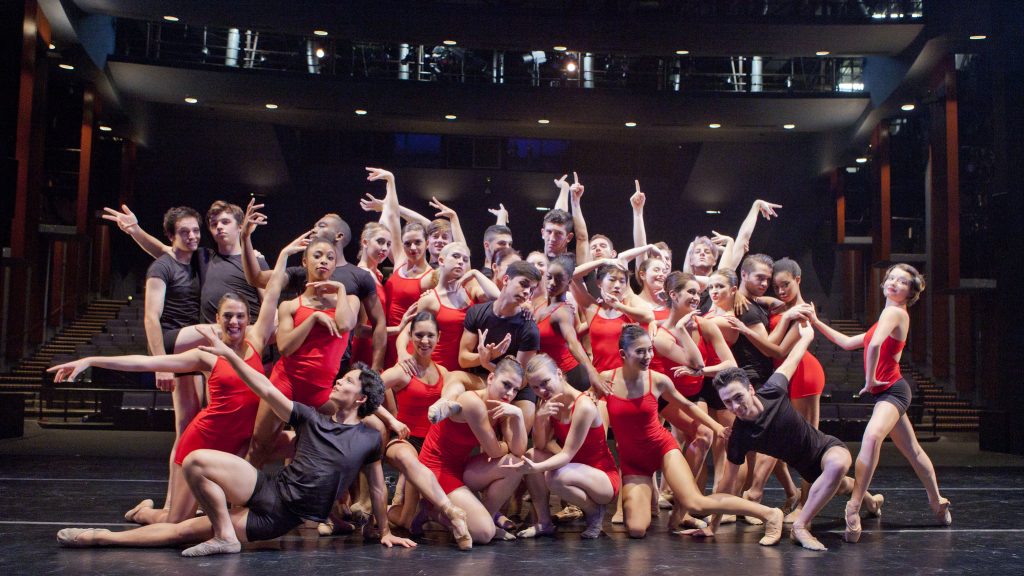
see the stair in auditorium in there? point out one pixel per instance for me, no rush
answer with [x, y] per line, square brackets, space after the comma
[944, 410]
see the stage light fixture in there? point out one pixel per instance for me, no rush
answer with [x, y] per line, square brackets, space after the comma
[171, 18]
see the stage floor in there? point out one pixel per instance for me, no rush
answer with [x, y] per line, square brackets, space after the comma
[40, 494]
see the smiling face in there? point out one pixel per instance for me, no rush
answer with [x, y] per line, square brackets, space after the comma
[186, 234]
[687, 298]
[739, 399]
[423, 336]
[377, 246]
[233, 319]
[503, 385]
[320, 261]
[787, 288]
[654, 275]
[898, 285]
[437, 241]
[638, 353]
[756, 280]
[540, 262]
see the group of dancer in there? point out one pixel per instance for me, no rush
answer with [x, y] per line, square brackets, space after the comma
[483, 386]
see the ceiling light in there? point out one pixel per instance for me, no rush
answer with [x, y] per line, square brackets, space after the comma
[271, 106]
[560, 48]
[713, 211]
[360, 112]
[630, 124]
[449, 42]
[822, 53]
[570, 66]
[66, 66]
[907, 107]
[52, 47]
[106, 129]
[191, 100]
[320, 53]
[320, 32]
[714, 125]
[543, 208]
[978, 37]
[543, 121]
[789, 126]
[852, 169]
[171, 18]
[862, 160]
[450, 116]
[682, 52]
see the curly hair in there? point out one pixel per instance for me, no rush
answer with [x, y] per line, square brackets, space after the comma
[373, 389]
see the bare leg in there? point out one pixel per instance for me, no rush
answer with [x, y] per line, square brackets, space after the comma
[883, 418]
[155, 535]
[186, 400]
[183, 504]
[481, 524]
[537, 486]
[636, 504]
[834, 465]
[420, 480]
[496, 484]
[906, 441]
[588, 488]
[264, 435]
[217, 478]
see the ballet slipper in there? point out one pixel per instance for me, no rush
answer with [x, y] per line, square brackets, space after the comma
[772, 528]
[874, 505]
[503, 522]
[853, 531]
[502, 534]
[129, 516]
[537, 530]
[73, 537]
[594, 523]
[792, 503]
[665, 501]
[213, 546]
[682, 520]
[695, 532]
[802, 536]
[442, 409]
[568, 514]
[726, 519]
[617, 518]
[460, 527]
[941, 512]
[793, 515]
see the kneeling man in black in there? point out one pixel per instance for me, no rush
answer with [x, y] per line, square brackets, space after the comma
[766, 422]
[330, 450]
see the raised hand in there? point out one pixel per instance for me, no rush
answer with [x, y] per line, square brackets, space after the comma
[371, 204]
[253, 218]
[126, 219]
[576, 189]
[767, 209]
[69, 371]
[299, 244]
[561, 182]
[442, 210]
[379, 174]
[638, 199]
[326, 287]
[500, 212]
[720, 240]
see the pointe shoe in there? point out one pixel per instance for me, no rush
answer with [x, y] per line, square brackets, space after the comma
[793, 515]
[460, 527]
[853, 531]
[72, 537]
[617, 518]
[568, 514]
[942, 512]
[726, 519]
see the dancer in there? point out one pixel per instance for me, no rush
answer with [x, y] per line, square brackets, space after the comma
[607, 316]
[330, 451]
[883, 346]
[556, 322]
[644, 445]
[582, 470]
[374, 247]
[766, 422]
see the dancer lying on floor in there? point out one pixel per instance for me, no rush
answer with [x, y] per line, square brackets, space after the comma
[329, 453]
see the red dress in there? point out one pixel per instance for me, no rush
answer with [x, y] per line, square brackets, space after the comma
[226, 423]
[362, 346]
[809, 377]
[400, 294]
[553, 344]
[447, 450]
[888, 369]
[604, 340]
[641, 440]
[686, 385]
[594, 452]
[308, 374]
[449, 339]
[414, 400]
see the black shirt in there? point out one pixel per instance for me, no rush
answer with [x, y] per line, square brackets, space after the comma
[219, 275]
[328, 457]
[779, 431]
[181, 299]
[758, 366]
[357, 282]
[525, 334]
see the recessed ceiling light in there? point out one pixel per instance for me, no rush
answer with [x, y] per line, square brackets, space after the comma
[822, 53]
[191, 100]
[271, 106]
[66, 66]
[105, 128]
[449, 42]
[171, 18]
[543, 208]
[543, 121]
[560, 48]
[52, 47]
[320, 32]
[630, 124]
[978, 37]
[682, 52]
[320, 53]
[714, 125]
[713, 211]
[360, 112]
[907, 107]
[862, 160]
[450, 116]
[570, 66]
[789, 126]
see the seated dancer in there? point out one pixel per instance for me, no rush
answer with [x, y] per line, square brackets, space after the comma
[766, 422]
[644, 446]
[226, 423]
[570, 456]
[312, 334]
[329, 453]
[883, 346]
[448, 448]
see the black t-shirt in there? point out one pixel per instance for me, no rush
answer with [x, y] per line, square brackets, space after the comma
[357, 281]
[328, 457]
[779, 431]
[219, 275]
[705, 302]
[758, 366]
[525, 334]
[181, 299]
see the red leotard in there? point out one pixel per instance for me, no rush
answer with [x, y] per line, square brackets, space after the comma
[594, 452]
[809, 377]
[447, 450]
[226, 423]
[553, 344]
[449, 338]
[362, 346]
[400, 293]
[641, 439]
[604, 340]
[687, 385]
[308, 374]
[888, 369]
[413, 401]
[661, 314]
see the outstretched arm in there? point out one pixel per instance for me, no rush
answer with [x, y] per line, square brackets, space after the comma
[190, 361]
[452, 216]
[501, 214]
[579, 224]
[257, 382]
[562, 202]
[836, 337]
[637, 201]
[731, 258]
[129, 224]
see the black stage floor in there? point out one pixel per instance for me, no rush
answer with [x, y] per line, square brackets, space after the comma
[40, 494]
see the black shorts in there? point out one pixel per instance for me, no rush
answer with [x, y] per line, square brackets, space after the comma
[268, 516]
[170, 337]
[416, 441]
[898, 395]
[578, 378]
[810, 469]
[709, 394]
[525, 394]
